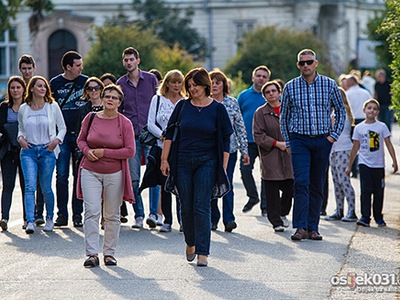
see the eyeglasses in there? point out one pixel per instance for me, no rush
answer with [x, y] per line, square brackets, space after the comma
[111, 97]
[308, 62]
[94, 88]
[270, 91]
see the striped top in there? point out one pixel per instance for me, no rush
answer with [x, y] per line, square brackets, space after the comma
[306, 109]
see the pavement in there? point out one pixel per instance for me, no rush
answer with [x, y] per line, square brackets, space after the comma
[253, 262]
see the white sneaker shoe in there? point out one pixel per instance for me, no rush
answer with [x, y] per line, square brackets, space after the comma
[152, 221]
[279, 229]
[30, 228]
[138, 223]
[165, 228]
[285, 221]
[49, 225]
[160, 220]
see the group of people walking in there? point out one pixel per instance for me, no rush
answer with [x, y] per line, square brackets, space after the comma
[198, 129]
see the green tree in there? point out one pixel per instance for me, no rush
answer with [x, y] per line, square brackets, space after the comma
[109, 42]
[172, 25]
[391, 27]
[277, 49]
[382, 50]
[8, 11]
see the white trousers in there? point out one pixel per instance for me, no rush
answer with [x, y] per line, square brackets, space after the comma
[98, 189]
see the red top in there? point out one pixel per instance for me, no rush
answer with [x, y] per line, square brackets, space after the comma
[117, 138]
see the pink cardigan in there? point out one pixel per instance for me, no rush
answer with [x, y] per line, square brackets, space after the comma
[128, 143]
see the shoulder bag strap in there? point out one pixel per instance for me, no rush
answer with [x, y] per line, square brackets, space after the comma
[158, 105]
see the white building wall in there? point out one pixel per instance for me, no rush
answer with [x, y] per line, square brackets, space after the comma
[225, 16]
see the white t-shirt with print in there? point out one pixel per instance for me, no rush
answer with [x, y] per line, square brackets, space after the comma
[372, 149]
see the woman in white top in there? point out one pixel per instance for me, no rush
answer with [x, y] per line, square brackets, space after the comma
[169, 93]
[41, 128]
[339, 158]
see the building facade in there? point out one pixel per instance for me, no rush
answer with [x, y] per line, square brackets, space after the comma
[342, 24]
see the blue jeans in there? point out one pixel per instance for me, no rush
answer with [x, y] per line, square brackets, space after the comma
[227, 200]
[310, 158]
[134, 168]
[248, 180]
[38, 160]
[195, 180]
[63, 166]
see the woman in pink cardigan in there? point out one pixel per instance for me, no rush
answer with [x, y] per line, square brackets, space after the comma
[106, 142]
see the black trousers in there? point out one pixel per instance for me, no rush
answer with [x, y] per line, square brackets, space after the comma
[278, 204]
[372, 183]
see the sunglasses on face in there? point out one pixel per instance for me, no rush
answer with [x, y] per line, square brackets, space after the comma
[93, 88]
[308, 62]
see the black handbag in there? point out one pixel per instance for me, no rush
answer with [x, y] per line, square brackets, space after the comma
[145, 136]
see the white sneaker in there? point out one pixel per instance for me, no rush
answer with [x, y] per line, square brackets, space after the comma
[49, 225]
[279, 229]
[165, 228]
[30, 228]
[160, 220]
[285, 221]
[138, 223]
[152, 221]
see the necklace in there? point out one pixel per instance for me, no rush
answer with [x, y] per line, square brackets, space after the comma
[199, 108]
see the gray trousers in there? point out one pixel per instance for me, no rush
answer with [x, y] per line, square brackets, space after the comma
[98, 189]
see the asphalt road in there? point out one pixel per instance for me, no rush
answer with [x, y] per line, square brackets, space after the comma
[253, 262]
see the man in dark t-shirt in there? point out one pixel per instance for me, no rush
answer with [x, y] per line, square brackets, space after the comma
[67, 89]
[384, 97]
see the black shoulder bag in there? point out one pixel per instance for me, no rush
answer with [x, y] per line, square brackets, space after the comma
[145, 136]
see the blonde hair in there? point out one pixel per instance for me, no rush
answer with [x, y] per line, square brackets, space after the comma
[372, 100]
[349, 112]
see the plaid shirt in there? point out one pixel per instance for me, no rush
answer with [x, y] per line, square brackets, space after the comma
[306, 109]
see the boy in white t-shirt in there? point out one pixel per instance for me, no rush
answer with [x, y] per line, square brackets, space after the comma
[368, 141]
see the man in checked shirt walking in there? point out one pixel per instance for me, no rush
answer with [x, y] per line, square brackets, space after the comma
[306, 125]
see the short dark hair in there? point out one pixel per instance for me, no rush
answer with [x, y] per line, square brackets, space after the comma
[130, 50]
[273, 82]
[156, 73]
[26, 59]
[220, 76]
[108, 76]
[68, 59]
[200, 77]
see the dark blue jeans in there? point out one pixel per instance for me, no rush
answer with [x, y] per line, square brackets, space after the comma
[310, 158]
[227, 200]
[62, 182]
[195, 180]
[9, 165]
[372, 182]
[248, 179]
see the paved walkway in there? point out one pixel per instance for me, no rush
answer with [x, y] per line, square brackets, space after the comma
[253, 262]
